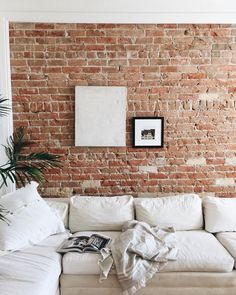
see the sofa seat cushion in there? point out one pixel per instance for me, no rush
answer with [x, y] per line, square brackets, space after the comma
[228, 240]
[198, 251]
[33, 270]
[86, 263]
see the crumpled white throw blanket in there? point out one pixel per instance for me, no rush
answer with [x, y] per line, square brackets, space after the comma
[138, 253]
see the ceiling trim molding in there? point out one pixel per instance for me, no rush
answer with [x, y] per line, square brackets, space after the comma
[111, 17]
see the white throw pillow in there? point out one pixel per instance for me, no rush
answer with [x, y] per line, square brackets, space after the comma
[183, 212]
[220, 214]
[100, 213]
[60, 208]
[30, 219]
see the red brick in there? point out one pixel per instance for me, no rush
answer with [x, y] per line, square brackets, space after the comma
[34, 33]
[44, 26]
[170, 70]
[20, 76]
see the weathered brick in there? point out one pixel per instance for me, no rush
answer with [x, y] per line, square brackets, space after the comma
[225, 182]
[90, 184]
[147, 169]
[230, 161]
[196, 161]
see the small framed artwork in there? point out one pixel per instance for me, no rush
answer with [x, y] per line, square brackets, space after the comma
[148, 132]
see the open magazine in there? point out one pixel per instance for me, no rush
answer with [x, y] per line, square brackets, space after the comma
[82, 244]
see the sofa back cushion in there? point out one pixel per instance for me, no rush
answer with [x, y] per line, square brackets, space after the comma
[220, 214]
[100, 213]
[183, 212]
[30, 219]
[60, 206]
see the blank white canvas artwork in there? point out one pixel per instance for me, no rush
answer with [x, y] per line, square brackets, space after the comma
[100, 116]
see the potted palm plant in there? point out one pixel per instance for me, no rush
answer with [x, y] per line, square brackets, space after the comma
[21, 167]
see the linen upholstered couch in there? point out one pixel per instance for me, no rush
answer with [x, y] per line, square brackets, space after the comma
[30, 265]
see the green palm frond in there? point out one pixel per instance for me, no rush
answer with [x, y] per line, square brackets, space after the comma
[16, 143]
[23, 168]
[4, 109]
[41, 160]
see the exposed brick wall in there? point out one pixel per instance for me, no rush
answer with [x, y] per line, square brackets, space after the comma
[186, 73]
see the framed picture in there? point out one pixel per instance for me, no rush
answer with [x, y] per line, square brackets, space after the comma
[148, 132]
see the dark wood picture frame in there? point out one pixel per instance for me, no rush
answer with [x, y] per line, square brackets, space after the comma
[148, 132]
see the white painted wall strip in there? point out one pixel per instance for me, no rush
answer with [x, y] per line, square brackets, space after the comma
[5, 90]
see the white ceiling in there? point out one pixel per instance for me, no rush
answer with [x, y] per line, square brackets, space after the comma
[121, 6]
[146, 11]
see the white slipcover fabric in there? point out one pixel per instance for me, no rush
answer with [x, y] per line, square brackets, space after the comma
[100, 213]
[60, 208]
[172, 283]
[32, 271]
[228, 240]
[183, 212]
[30, 219]
[219, 214]
[197, 251]
[86, 263]
[200, 251]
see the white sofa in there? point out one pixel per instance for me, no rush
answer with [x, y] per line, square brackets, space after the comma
[205, 264]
